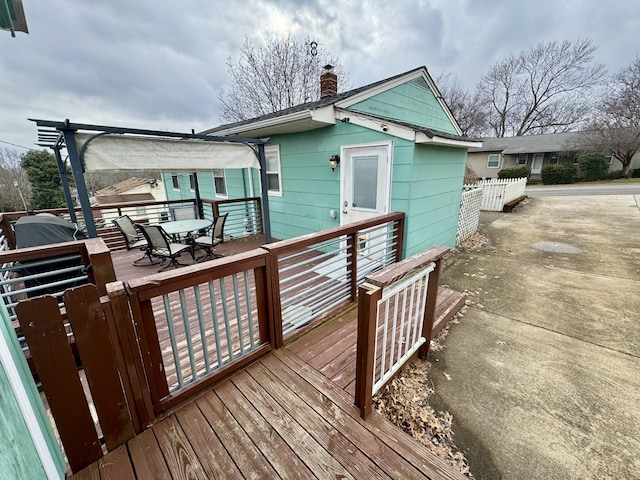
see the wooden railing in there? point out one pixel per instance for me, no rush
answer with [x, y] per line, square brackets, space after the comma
[317, 274]
[43, 325]
[51, 269]
[170, 335]
[197, 323]
[396, 312]
[244, 215]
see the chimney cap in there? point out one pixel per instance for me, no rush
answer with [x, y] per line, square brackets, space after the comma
[328, 67]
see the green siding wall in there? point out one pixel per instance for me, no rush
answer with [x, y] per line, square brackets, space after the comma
[434, 202]
[18, 455]
[309, 188]
[426, 185]
[411, 102]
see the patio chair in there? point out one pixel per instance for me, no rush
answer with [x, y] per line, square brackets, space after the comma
[163, 247]
[133, 240]
[209, 242]
[183, 213]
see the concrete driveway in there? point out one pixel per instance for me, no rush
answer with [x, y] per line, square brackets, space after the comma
[545, 365]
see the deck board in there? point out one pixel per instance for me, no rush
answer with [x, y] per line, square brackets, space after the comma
[278, 418]
[290, 414]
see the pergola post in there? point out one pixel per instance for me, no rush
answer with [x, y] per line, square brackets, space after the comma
[78, 177]
[65, 184]
[199, 206]
[264, 183]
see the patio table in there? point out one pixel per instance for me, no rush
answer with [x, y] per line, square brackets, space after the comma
[177, 228]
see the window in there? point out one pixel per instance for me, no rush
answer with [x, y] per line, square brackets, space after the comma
[522, 159]
[493, 161]
[192, 182]
[553, 158]
[608, 158]
[175, 181]
[274, 177]
[219, 182]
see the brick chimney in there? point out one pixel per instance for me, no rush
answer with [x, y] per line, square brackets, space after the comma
[328, 82]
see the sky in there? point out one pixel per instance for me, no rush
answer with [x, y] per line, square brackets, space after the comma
[161, 64]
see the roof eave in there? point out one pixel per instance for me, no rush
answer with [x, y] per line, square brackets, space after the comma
[422, 139]
[300, 121]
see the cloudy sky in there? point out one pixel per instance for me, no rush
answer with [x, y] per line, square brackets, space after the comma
[162, 64]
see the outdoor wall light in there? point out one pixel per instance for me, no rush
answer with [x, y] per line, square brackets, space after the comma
[334, 161]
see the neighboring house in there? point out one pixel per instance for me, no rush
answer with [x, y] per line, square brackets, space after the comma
[132, 190]
[533, 151]
[395, 147]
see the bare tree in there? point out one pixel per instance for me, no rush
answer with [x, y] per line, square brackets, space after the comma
[464, 105]
[616, 127]
[542, 90]
[15, 189]
[280, 74]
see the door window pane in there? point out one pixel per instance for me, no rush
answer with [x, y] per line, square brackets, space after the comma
[365, 181]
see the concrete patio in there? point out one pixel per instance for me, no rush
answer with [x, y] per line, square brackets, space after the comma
[544, 365]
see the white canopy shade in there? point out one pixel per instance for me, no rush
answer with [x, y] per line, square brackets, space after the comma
[120, 152]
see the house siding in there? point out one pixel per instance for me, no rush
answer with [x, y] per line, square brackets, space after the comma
[412, 102]
[435, 195]
[310, 189]
[426, 185]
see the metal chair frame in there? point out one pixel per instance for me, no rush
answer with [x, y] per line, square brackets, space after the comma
[163, 247]
[209, 242]
[134, 240]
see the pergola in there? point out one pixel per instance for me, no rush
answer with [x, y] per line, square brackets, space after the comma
[105, 148]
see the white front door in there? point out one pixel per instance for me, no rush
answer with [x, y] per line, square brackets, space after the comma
[365, 179]
[536, 164]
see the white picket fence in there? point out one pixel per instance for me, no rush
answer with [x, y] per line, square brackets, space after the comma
[496, 193]
[469, 213]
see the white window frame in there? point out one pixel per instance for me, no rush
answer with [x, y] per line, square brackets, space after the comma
[224, 179]
[609, 157]
[493, 155]
[175, 180]
[526, 158]
[556, 156]
[274, 150]
[192, 182]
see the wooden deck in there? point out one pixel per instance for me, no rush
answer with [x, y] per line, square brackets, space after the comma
[279, 418]
[125, 271]
[290, 414]
[331, 348]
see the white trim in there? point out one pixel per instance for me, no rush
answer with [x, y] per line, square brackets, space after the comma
[364, 120]
[192, 183]
[384, 86]
[268, 150]
[177, 175]
[224, 177]
[389, 171]
[400, 131]
[423, 138]
[317, 118]
[28, 415]
[494, 155]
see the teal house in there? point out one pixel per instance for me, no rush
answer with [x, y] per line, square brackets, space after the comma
[389, 146]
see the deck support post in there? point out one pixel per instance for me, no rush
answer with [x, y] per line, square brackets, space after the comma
[430, 308]
[368, 297]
